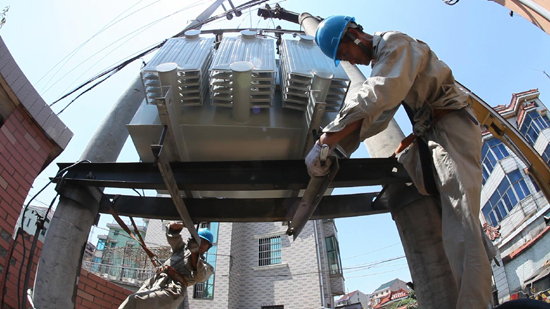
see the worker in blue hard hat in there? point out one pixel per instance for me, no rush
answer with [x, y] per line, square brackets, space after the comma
[186, 266]
[443, 156]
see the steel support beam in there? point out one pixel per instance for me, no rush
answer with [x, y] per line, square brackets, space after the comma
[242, 210]
[234, 175]
[172, 186]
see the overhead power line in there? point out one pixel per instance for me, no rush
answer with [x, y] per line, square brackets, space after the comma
[101, 77]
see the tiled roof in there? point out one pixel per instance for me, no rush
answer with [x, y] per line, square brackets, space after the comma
[385, 285]
[346, 296]
[525, 246]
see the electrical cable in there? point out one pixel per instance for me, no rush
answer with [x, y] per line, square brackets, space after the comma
[107, 52]
[109, 72]
[75, 51]
[20, 229]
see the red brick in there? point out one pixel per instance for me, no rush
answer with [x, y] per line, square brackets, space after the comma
[84, 295]
[32, 169]
[87, 281]
[24, 154]
[120, 296]
[36, 167]
[29, 178]
[112, 300]
[27, 126]
[4, 140]
[97, 279]
[18, 114]
[93, 292]
[10, 301]
[22, 141]
[84, 272]
[38, 156]
[106, 289]
[102, 303]
[24, 190]
[6, 200]
[16, 195]
[89, 305]
[4, 161]
[18, 176]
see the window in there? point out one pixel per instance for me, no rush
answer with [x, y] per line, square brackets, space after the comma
[113, 244]
[116, 232]
[533, 124]
[101, 244]
[511, 190]
[333, 254]
[492, 151]
[269, 251]
[273, 307]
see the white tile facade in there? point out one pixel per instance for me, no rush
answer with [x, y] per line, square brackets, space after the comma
[525, 221]
[241, 283]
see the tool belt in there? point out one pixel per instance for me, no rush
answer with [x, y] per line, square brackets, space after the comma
[417, 160]
[174, 275]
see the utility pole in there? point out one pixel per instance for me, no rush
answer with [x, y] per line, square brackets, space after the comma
[418, 218]
[59, 264]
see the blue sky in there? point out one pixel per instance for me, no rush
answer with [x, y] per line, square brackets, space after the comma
[491, 53]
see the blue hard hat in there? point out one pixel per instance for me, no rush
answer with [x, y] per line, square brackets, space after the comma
[205, 234]
[329, 33]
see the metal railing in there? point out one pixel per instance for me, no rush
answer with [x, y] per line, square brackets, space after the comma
[119, 273]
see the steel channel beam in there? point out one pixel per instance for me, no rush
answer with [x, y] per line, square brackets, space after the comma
[172, 186]
[242, 210]
[234, 175]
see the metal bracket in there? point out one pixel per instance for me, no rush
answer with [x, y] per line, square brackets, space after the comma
[172, 186]
[314, 113]
[315, 191]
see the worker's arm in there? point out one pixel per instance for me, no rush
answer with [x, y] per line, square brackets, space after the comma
[173, 236]
[398, 61]
[332, 138]
[201, 270]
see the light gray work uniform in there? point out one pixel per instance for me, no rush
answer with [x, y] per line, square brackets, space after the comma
[406, 70]
[163, 292]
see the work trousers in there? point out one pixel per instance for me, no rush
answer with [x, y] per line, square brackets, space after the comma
[455, 144]
[159, 292]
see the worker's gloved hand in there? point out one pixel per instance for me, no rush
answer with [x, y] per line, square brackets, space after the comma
[192, 245]
[318, 164]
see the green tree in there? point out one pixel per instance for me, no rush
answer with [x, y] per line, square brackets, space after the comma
[409, 301]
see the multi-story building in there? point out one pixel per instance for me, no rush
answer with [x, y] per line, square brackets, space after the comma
[512, 205]
[119, 257]
[258, 266]
[385, 290]
[354, 298]
[31, 218]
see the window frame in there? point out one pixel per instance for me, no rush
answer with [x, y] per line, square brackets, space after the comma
[532, 126]
[492, 151]
[333, 256]
[509, 194]
[270, 251]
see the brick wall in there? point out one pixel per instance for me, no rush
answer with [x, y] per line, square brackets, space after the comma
[24, 149]
[97, 293]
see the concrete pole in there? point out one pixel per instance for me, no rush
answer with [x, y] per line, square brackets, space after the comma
[59, 264]
[418, 222]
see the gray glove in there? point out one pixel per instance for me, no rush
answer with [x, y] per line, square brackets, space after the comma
[192, 245]
[318, 165]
